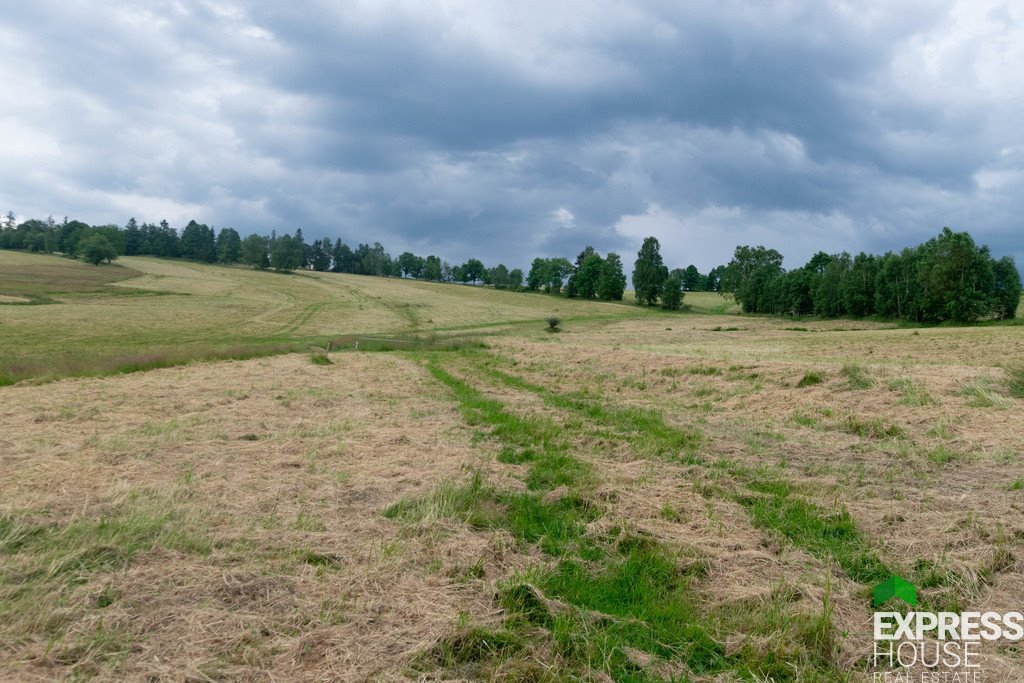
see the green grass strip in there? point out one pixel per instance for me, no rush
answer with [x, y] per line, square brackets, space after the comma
[645, 429]
[617, 603]
[828, 535]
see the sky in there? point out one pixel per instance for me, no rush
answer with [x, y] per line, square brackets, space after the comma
[510, 130]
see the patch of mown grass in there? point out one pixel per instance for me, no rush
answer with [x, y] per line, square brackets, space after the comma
[557, 527]
[983, 392]
[804, 420]
[943, 455]
[16, 370]
[557, 469]
[509, 428]
[810, 379]
[646, 429]
[420, 343]
[617, 604]
[449, 500]
[782, 637]
[639, 598]
[44, 276]
[874, 428]
[941, 430]
[636, 615]
[830, 535]
[911, 393]
[857, 376]
[85, 546]
[821, 532]
[515, 456]
[472, 653]
[528, 516]
[45, 563]
[88, 653]
[931, 574]
[1015, 381]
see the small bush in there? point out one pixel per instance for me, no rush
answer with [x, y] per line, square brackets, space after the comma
[553, 323]
[809, 379]
[320, 358]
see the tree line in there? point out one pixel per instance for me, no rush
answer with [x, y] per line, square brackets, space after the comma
[592, 276]
[947, 278]
[285, 253]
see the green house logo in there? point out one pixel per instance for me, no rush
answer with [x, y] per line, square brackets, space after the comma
[896, 587]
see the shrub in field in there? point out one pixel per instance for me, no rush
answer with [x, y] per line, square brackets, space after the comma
[553, 323]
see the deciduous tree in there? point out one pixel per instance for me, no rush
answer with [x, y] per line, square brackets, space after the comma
[649, 272]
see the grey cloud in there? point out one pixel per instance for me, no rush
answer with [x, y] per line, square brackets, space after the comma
[467, 129]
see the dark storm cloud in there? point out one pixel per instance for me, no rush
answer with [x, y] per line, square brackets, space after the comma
[506, 131]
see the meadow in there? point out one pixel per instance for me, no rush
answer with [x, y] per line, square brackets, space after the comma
[641, 496]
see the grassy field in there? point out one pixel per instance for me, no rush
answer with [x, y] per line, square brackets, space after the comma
[642, 496]
[150, 312]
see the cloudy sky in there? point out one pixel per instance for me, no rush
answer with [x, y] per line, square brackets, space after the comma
[507, 130]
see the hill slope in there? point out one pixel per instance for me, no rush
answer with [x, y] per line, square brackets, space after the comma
[149, 312]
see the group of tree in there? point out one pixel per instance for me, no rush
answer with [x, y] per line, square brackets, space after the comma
[590, 277]
[946, 279]
[199, 242]
[654, 282]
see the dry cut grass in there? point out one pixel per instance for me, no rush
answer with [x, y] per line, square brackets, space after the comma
[223, 521]
[641, 496]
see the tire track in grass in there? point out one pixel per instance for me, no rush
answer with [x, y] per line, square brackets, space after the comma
[772, 503]
[617, 602]
[829, 535]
